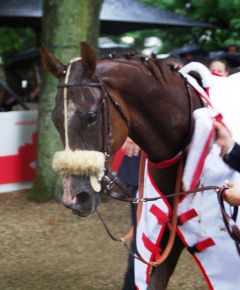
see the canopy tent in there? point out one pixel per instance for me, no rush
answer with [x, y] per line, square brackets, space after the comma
[128, 15]
[116, 17]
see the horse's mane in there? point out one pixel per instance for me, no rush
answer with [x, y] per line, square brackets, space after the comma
[157, 67]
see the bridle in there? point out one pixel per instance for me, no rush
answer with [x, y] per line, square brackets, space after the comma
[107, 98]
[107, 180]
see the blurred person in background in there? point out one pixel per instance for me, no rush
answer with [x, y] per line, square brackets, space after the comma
[128, 173]
[232, 49]
[219, 67]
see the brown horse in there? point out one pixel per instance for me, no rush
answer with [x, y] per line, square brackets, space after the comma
[101, 102]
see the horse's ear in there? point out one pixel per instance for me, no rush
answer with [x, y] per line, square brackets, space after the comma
[89, 59]
[51, 63]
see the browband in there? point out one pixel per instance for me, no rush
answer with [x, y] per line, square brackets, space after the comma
[84, 84]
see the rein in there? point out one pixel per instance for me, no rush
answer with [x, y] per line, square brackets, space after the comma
[230, 220]
[126, 198]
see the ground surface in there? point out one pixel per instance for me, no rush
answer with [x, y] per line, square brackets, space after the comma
[46, 247]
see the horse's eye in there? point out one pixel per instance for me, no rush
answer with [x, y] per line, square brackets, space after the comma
[91, 118]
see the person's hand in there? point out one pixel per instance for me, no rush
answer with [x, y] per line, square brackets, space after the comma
[130, 148]
[232, 194]
[223, 137]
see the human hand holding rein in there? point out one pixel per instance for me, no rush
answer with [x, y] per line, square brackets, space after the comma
[232, 194]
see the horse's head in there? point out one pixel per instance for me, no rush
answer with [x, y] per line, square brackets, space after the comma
[82, 117]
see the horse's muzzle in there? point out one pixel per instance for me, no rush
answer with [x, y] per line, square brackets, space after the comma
[79, 195]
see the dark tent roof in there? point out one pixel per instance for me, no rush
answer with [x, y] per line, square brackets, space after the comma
[21, 13]
[128, 15]
[188, 48]
[23, 57]
[117, 16]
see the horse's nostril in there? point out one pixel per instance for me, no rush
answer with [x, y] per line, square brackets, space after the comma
[83, 204]
[83, 197]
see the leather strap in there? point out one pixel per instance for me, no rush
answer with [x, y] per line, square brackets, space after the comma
[173, 226]
[127, 198]
[230, 220]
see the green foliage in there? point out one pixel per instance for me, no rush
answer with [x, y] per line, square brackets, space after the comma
[221, 13]
[39, 193]
[16, 39]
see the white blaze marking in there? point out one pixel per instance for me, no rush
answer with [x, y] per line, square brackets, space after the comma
[71, 109]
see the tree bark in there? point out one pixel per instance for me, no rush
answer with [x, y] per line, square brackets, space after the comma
[64, 25]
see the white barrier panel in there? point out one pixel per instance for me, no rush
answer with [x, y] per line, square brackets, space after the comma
[18, 149]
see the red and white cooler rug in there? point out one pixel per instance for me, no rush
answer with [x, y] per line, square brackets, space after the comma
[150, 230]
[202, 228]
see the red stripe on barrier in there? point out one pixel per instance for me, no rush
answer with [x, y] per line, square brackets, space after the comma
[16, 168]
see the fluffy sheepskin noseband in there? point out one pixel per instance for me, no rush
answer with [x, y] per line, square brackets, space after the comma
[79, 162]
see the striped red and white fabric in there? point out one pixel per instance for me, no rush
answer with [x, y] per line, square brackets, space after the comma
[150, 229]
[201, 143]
[201, 226]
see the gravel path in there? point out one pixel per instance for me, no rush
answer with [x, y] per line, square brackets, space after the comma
[46, 247]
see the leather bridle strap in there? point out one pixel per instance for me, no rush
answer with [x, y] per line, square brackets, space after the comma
[106, 99]
[120, 239]
[106, 128]
[106, 94]
[82, 84]
[116, 106]
[189, 95]
[230, 220]
[127, 198]
[173, 226]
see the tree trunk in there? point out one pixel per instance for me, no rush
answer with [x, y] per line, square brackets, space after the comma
[65, 24]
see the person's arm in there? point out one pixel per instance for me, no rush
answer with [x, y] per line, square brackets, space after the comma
[233, 157]
[230, 150]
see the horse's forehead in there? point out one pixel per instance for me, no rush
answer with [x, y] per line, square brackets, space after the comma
[79, 99]
[82, 100]
[71, 109]
[76, 70]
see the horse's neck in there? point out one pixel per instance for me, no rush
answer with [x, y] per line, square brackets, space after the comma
[159, 106]
[163, 128]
